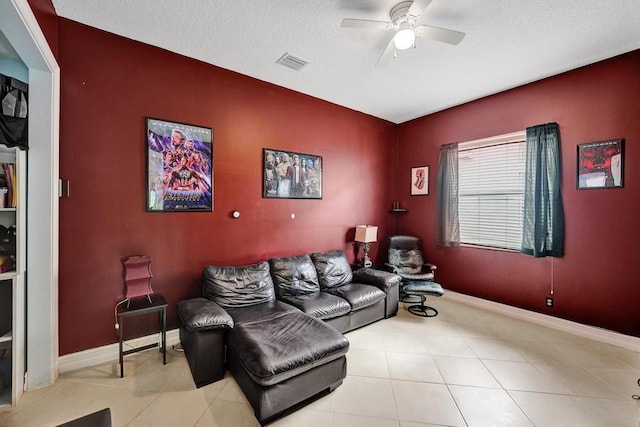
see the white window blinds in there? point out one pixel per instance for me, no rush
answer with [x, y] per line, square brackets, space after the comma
[491, 188]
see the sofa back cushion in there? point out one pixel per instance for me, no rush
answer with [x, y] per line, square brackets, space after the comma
[293, 276]
[333, 268]
[241, 286]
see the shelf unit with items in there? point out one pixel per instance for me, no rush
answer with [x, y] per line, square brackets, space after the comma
[7, 347]
[8, 209]
[12, 274]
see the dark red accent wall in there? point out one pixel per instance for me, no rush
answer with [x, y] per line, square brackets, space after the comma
[109, 85]
[47, 19]
[596, 282]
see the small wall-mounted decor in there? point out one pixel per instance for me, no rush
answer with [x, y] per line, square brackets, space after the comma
[179, 167]
[600, 164]
[420, 181]
[291, 175]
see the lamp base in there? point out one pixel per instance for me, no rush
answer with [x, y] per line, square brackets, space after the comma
[366, 261]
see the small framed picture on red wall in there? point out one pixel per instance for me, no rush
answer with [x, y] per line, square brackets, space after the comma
[600, 164]
[420, 181]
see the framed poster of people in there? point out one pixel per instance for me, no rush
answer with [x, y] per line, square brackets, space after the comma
[420, 181]
[179, 167]
[600, 164]
[291, 175]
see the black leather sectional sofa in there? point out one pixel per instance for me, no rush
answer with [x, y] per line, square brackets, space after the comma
[277, 325]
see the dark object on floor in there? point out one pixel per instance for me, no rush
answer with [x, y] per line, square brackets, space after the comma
[97, 419]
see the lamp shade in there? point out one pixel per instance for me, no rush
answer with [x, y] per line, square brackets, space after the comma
[366, 233]
[137, 276]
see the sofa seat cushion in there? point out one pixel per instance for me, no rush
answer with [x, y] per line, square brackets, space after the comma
[265, 312]
[320, 304]
[358, 295]
[283, 347]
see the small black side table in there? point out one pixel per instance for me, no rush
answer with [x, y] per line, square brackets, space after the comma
[137, 307]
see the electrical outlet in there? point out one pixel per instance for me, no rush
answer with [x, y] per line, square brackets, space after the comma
[549, 302]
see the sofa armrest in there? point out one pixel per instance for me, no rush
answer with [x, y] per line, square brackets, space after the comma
[391, 268]
[381, 279]
[201, 314]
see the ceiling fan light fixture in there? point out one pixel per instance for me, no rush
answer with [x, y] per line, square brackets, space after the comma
[404, 38]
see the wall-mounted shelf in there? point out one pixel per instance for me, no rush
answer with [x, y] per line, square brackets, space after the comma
[398, 210]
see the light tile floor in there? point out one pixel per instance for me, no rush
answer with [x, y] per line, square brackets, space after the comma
[466, 367]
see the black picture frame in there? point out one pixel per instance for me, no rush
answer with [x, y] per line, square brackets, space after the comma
[280, 179]
[179, 167]
[600, 164]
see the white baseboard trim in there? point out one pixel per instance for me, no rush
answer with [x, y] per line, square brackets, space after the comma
[109, 353]
[592, 332]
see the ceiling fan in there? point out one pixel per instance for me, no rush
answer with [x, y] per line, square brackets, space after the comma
[404, 20]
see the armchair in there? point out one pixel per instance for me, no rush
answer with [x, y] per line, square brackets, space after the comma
[406, 260]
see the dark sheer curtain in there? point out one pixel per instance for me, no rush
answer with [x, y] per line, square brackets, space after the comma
[447, 223]
[13, 120]
[543, 222]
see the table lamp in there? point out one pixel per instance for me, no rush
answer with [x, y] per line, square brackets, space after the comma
[366, 234]
[137, 276]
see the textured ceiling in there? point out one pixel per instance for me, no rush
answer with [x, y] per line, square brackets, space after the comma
[508, 43]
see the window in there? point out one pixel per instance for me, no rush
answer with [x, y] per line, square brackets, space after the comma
[491, 191]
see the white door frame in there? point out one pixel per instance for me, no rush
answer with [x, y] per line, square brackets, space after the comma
[21, 28]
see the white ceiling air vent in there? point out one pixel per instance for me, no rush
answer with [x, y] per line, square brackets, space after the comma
[292, 62]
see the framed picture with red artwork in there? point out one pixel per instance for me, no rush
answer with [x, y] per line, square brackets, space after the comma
[420, 181]
[600, 164]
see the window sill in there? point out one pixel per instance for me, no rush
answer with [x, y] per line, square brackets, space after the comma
[491, 248]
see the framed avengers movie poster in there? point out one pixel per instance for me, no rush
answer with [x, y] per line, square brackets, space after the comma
[179, 167]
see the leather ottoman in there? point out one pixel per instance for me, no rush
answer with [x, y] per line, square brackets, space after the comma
[279, 356]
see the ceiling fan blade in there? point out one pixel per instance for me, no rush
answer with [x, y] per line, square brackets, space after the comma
[418, 6]
[387, 55]
[365, 23]
[439, 34]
